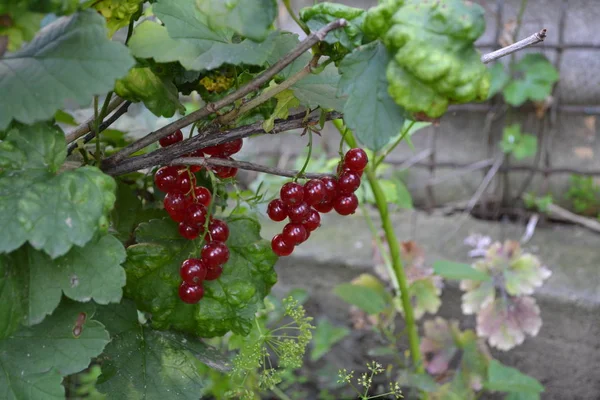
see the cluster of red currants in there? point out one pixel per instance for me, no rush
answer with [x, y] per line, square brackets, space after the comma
[188, 204]
[302, 204]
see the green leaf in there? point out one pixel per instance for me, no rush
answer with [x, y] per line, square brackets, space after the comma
[424, 297]
[502, 378]
[320, 89]
[403, 199]
[22, 28]
[130, 213]
[51, 212]
[159, 94]
[498, 79]
[64, 117]
[142, 363]
[367, 299]
[369, 111]
[285, 101]
[229, 303]
[69, 59]
[250, 18]
[539, 76]
[325, 337]
[33, 360]
[458, 271]
[118, 13]
[520, 145]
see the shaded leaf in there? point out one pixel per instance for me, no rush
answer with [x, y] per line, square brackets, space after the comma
[454, 270]
[403, 197]
[367, 299]
[518, 144]
[507, 379]
[538, 79]
[425, 297]
[325, 337]
[498, 79]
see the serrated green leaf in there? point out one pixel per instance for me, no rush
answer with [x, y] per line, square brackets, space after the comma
[158, 94]
[118, 13]
[64, 117]
[520, 145]
[229, 303]
[320, 89]
[71, 58]
[33, 360]
[325, 336]
[285, 101]
[367, 299]
[458, 271]
[507, 379]
[142, 363]
[369, 112]
[539, 77]
[250, 18]
[498, 79]
[424, 297]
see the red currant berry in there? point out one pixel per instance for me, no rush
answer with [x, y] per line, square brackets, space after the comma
[299, 212]
[348, 182]
[356, 160]
[189, 232]
[173, 138]
[225, 172]
[215, 254]
[294, 233]
[276, 210]
[280, 246]
[195, 214]
[213, 150]
[291, 193]
[346, 204]
[217, 231]
[166, 179]
[231, 148]
[185, 182]
[313, 221]
[324, 208]
[202, 195]
[193, 271]
[190, 294]
[314, 192]
[213, 273]
[330, 189]
[175, 205]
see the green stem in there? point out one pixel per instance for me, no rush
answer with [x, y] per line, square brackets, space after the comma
[390, 235]
[301, 172]
[396, 143]
[96, 125]
[290, 11]
[280, 393]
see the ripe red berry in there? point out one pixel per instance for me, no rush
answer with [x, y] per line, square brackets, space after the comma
[193, 271]
[185, 182]
[291, 193]
[346, 204]
[330, 189]
[213, 150]
[356, 160]
[213, 273]
[276, 210]
[298, 212]
[217, 231]
[294, 233]
[348, 182]
[224, 172]
[175, 205]
[313, 221]
[190, 294]
[173, 138]
[196, 214]
[324, 208]
[231, 148]
[166, 179]
[314, 192]
[280, 246]
[215, 254]
[188, 231]
[202, 195]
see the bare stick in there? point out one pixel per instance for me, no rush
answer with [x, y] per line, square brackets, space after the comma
[210, 108]
[244, 165]
[520, 45]
[88, 125]
[560, 213]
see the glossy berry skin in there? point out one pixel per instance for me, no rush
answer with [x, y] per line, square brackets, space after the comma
[324, 208]
[276, 210]
[190, 294]
[195, 168]
[213, 273]
[280, 246]
[196, 215]
[224, 172]
[202, 195]
[330, 189]
[291, 193]
[213, 150]
[314, 192]
[346, 204]
[313, 221]
[294, 233]
[348, 182]
[193, 271]
[356, 160]
[176, 205]
[166, 178]
[231, 148]
[218, 231]
[215, 254]
[185, 182]
[190, 232]
[298, 213]
[173, 138]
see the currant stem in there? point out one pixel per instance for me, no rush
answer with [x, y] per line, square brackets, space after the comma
[310, 142]
[396, 143]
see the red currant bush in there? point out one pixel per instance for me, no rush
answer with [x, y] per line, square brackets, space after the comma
[280, 246]
[277, 210]
[190, 294]
[294, 233]
[213, 273]
[348, 182]
[314, 192]
[217, 231]
[298, 213]
[215, 254]
[346, 204]
[193, 271]
[291, 193]
[356, 160]
[166, 179]
[173, 138]
[176, 204]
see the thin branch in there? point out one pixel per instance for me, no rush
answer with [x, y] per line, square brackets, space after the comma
[222, 162]
[164, 155]
[513, 48]
[89, 124]
[560, 213]
[210, 108]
